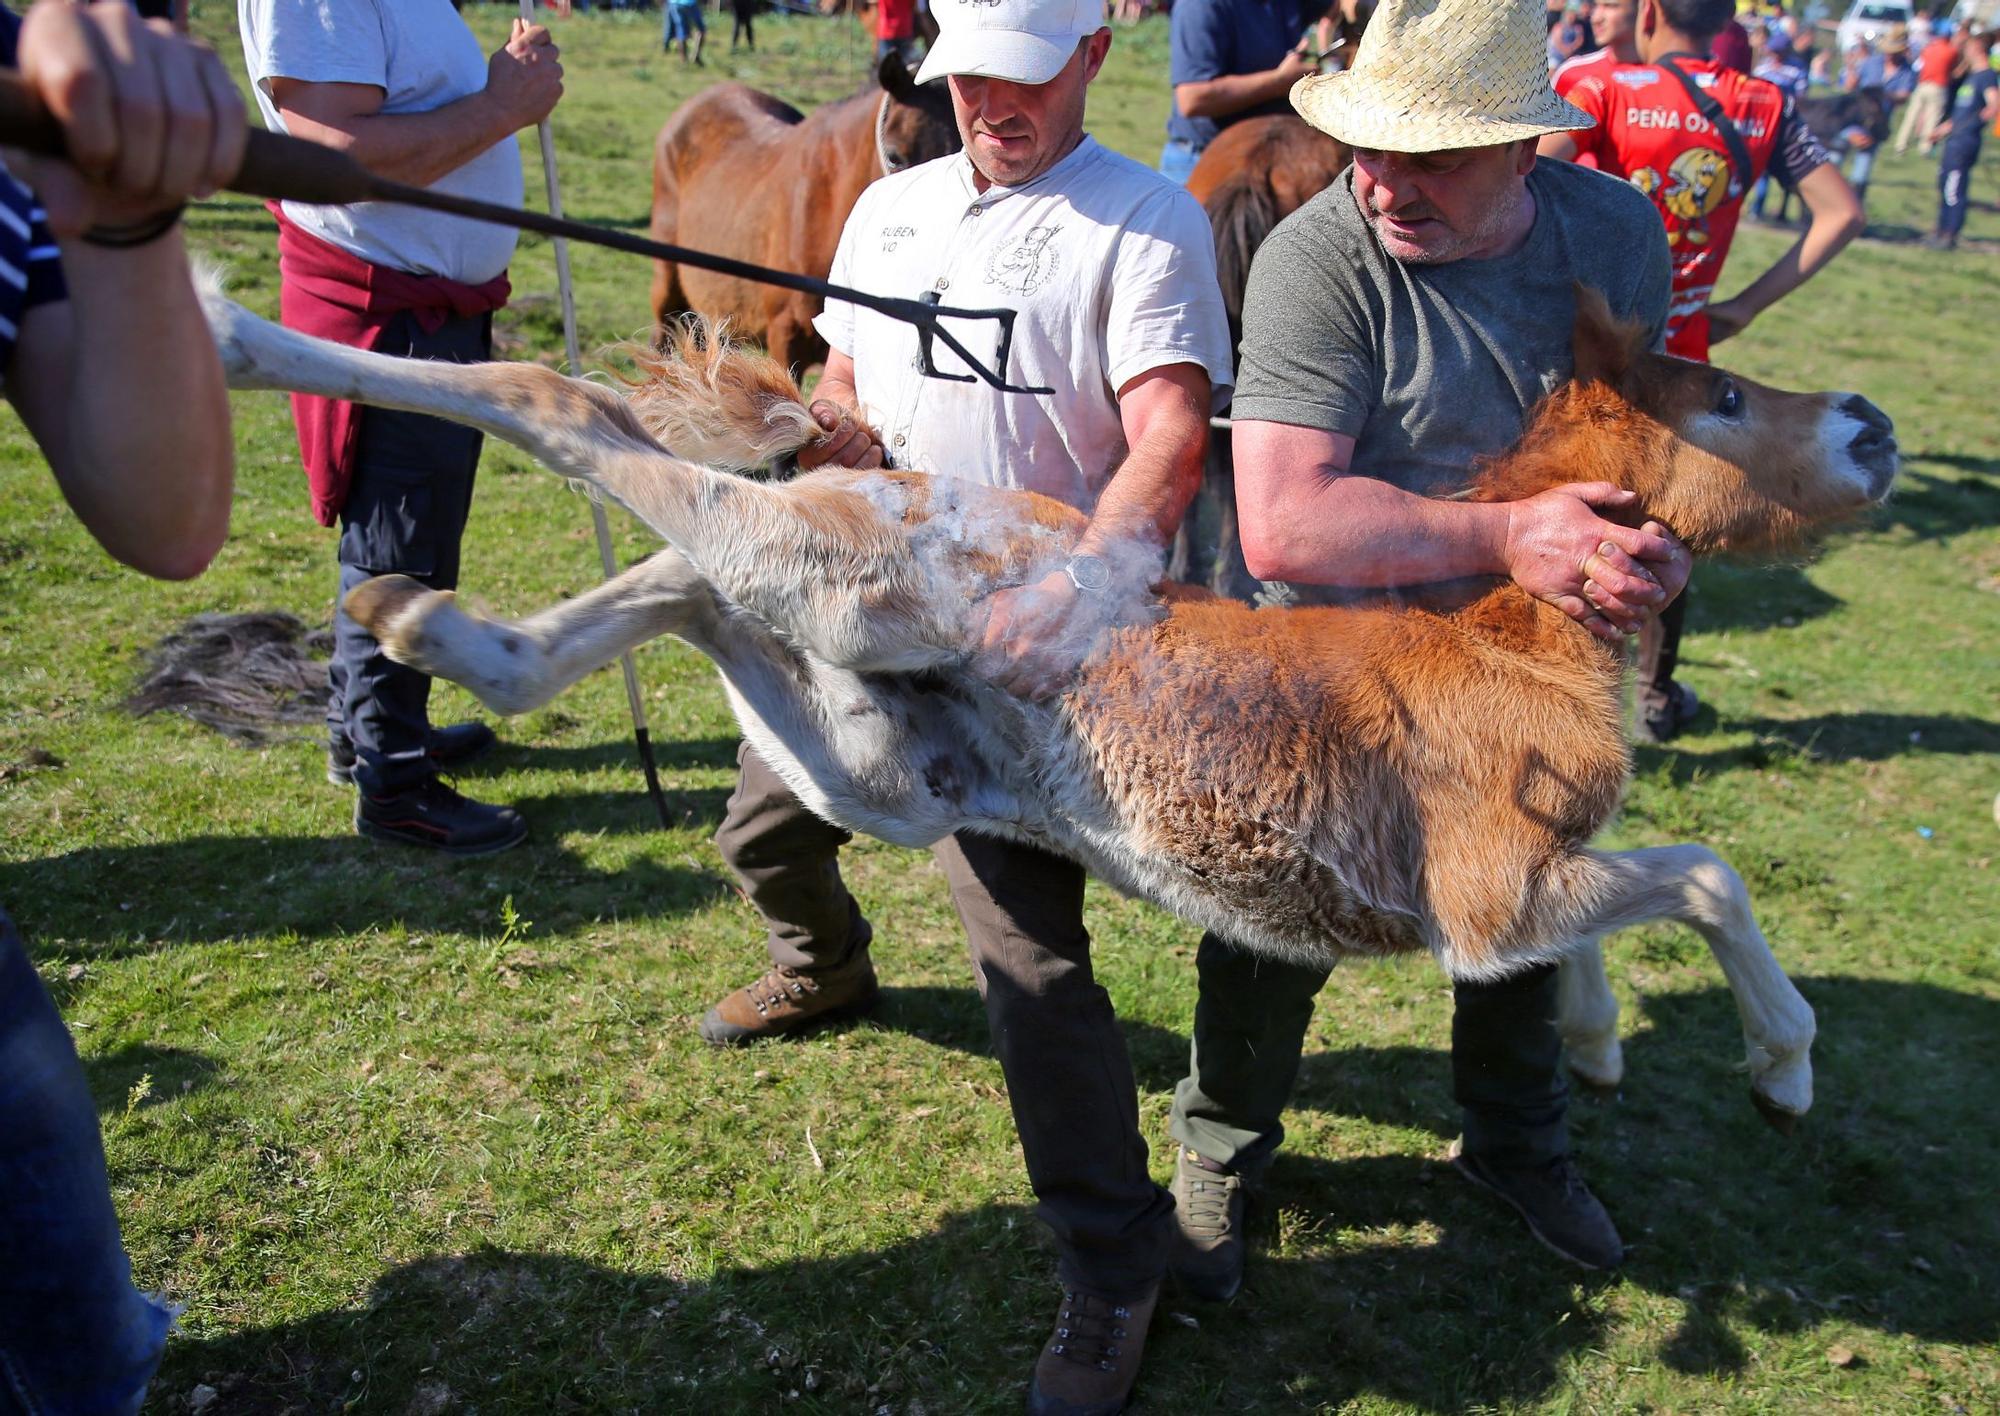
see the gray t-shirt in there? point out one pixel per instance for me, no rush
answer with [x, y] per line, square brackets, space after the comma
[1427, 367]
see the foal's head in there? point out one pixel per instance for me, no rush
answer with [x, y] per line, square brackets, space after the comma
[918, 124]
[1725, 463]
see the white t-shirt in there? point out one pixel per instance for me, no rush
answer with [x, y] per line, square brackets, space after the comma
[422, 56]
[1112, 268]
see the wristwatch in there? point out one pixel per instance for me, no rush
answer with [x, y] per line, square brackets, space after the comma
[1088, 572]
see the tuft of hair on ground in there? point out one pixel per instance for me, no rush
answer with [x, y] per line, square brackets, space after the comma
[246, 676]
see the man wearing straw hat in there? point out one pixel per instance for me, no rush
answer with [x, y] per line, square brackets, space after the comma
[1397, 327]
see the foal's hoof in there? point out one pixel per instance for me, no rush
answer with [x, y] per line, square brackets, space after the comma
[1782, 1121]
[376, 604]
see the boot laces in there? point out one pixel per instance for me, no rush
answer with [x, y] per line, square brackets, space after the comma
[779, 985]
[1089, 1330]
[1208, 1201]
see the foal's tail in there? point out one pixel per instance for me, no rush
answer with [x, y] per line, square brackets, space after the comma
[715, 403]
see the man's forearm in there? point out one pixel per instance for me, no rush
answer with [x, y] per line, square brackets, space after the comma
[1358, 532]
[1822, 240]
[417, 148]
[1232, 93]
[147, 458]
[1149, 494]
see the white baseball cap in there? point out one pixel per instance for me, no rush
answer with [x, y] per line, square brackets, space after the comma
[1024, 41]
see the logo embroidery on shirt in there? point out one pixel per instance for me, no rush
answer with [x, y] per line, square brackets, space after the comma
[1025, 266]
[891, 235]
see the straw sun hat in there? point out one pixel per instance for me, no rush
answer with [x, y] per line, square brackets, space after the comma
[1435, 74]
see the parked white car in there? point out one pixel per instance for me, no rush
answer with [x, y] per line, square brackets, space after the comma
[1868, 20]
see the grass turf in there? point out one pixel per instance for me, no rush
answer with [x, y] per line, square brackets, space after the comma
[413, 1135]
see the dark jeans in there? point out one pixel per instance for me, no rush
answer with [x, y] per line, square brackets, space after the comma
[1069, 1078]
[405, 513]
[1250, 1022]
[1659, 655]
[1954, 179]
[75, 1335]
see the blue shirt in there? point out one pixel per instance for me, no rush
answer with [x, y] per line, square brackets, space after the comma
[1214, 39]
[30, 267]
[1968, 104]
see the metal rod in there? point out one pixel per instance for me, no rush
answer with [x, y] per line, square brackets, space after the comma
[598, 522]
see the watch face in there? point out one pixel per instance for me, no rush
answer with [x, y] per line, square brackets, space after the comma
[1089, 572]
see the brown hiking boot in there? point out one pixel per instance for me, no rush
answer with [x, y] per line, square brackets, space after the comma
[785, 1000]
[1092, 1359]
[1558, 1206]
[1208, 1247]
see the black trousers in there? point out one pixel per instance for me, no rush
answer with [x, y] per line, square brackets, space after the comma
[1069, 1077]
[405, 513]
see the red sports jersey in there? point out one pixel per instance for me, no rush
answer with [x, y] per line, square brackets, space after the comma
[1650, 132]
[1575, 70]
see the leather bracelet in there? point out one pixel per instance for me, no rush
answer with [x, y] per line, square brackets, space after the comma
[136, 233]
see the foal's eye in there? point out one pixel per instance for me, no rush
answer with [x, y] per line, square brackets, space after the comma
[1729, 402]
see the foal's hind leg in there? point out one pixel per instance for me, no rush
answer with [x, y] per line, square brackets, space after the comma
[1694, 886]
[513, 667]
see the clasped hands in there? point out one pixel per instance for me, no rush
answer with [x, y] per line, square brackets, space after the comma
[1608, 577]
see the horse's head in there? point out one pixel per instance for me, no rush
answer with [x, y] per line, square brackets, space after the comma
[1725, 463]
[916, 124]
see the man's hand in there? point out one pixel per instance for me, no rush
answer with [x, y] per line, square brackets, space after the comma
[524, 77]
[1606, 576]
[1293, 67]
[848, 442]
[1036, 635]
[1727, 319]
[151, 118]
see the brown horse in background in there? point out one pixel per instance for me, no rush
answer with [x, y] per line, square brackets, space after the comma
[1254, 175]
[744, 174]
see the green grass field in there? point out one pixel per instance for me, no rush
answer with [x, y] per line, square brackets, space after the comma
[413, 1135]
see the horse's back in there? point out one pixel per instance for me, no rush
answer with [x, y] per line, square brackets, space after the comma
[721, 122]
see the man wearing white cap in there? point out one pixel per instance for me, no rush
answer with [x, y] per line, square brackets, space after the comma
[1112, 271]
[1396, 328]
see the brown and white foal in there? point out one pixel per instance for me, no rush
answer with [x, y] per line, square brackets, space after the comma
[1312, 783]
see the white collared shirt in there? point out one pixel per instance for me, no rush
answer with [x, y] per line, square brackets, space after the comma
[1112, 268]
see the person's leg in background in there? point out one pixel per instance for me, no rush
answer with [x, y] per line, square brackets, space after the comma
[405, 514]
[1177, 160]
[1076, 1109]
[1250, 1020]
[788, 861]
[1665, 706]
[75, 1335]
[1506, 1067]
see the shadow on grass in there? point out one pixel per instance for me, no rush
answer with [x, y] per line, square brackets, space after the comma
[119, 901]
[1380, 1275]
[1828, 737]
[1729, 595]
[1934, 507]
[169, 1073]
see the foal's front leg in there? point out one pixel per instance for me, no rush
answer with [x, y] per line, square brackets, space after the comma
[513, 667]
[1696, 887]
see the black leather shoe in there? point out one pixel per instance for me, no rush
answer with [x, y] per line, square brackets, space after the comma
[449, 747]
[435, 816]
[1558, 1206]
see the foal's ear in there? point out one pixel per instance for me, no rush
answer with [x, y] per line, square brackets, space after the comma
[895, 79]
[1602, 344]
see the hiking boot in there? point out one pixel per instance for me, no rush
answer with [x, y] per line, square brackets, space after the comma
[785, 1000]
[1558, 1206]
[1662, 722]
[1092, 1359]
[1207, 1250]
[448, 747]
[433, 815]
